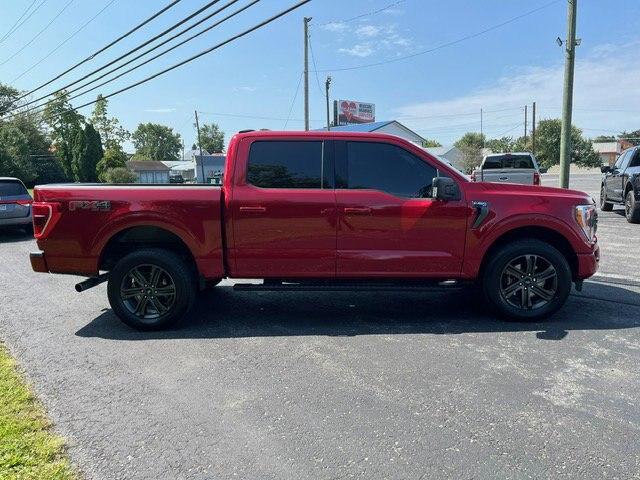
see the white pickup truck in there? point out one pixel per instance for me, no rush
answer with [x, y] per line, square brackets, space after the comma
[517, 167]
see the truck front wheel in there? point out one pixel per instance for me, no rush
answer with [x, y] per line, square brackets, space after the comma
[526, 280]
[150, 289]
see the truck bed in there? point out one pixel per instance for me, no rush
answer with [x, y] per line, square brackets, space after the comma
[86, 218]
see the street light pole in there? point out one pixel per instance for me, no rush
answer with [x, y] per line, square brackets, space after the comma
[204, 180]
[567, 98]
[306, 72]
[326, 85]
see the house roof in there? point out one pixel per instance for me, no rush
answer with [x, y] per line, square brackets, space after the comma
[147, 166]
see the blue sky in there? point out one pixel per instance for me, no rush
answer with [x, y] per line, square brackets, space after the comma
[251, 83]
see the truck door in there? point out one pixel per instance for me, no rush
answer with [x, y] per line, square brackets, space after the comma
[283, 209]
[614, 179]
[389, 226]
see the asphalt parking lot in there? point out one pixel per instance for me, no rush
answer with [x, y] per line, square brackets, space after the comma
[338, 385]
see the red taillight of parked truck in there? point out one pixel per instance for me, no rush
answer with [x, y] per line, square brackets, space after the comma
[45, 216]
[536, 178]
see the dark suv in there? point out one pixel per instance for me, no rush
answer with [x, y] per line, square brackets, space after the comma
[621, 185]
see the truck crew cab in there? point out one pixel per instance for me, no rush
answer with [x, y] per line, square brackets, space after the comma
[621, 185]
[318, 210]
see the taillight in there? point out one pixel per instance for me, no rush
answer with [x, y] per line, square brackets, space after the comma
[45, 215]
[536, 178]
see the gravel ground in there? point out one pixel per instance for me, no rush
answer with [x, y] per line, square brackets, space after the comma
[332, 385]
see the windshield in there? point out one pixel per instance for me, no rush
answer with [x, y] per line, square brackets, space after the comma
[508, 161]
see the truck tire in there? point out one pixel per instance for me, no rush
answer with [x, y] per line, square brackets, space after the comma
[526, 280]
[605, 206]
[631, 208]
[151, 289]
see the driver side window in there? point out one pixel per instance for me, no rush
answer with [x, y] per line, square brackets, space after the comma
[621, 159]
[388, 168]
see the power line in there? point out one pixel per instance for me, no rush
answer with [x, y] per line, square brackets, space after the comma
[198, 55]
[293, 102]
[367, 14]
[40, 32]
[16, 26]
[164, 52]
[109, 45]
[63, 42]
[11, 29]
[444, 45]
[315, 69]
[126, 54]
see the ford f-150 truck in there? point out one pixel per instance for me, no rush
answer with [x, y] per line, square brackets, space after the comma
[318, 210]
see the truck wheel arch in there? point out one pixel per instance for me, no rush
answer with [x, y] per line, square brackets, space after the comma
[133, 237]
[545, 234]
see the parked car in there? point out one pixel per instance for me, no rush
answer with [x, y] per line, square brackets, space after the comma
[319, 211]
[15, 203]
[518, 167]
[621, 185]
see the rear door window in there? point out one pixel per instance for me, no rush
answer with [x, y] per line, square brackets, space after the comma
[286, 164]
[388, 168]
[12, 188]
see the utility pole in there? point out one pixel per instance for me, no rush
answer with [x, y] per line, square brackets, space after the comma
[204, 180]
[326, 85]
[306, 72]
[525, 123]
[567, 97]
[533, 129]
[481, 128]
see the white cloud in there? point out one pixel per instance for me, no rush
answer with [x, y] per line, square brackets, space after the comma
[386, 39]
[160, 110]
[368, 31]
[360, 50]
[606, 98]
[336, 27]
[244, 89]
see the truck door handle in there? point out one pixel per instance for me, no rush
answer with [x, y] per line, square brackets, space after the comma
[357, 210]
[503, 179]
[257, 209]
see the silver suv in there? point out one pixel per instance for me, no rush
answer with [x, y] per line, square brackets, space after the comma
[15, 203]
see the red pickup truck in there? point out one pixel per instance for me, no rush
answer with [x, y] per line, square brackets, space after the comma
[318, 210]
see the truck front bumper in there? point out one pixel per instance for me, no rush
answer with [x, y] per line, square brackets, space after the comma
[38, 262]
[588, 263]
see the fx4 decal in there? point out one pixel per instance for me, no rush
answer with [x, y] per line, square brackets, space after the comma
[92, 205]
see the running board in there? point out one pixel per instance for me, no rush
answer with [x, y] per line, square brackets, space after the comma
[349, 287]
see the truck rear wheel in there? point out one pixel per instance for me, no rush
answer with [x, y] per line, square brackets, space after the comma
[526, 280]
[151, 289]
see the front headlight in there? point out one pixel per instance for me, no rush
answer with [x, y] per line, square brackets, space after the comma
[587, 217]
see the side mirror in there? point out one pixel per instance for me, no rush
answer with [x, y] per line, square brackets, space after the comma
[445, 189]
[605, 168]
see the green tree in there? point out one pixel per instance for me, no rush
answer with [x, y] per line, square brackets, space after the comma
[500, 145]
[113, 158]
[87, 152]
[156, 142]
[111, 132]
[8, 98]
[429, 143]
[548, 145]
[64, 123]
[631, 137]
[604, 138]
[470, 145]
[212, 138]
[120, 175]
